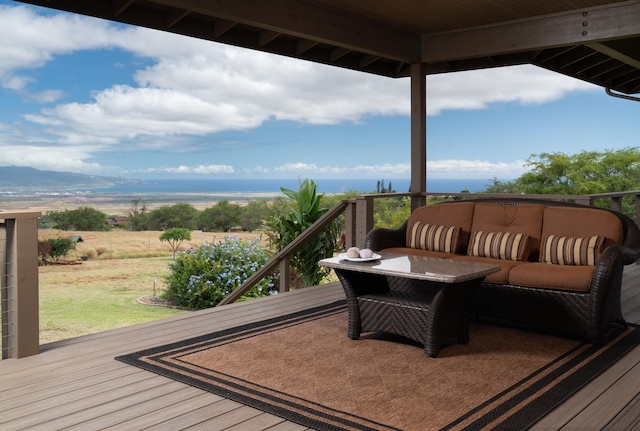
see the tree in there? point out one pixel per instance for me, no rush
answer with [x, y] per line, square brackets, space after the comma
[138, 216]
[83, 218]
[175, 237]
[220, 217]
[254, 214]
[177, 215]
[582, 173]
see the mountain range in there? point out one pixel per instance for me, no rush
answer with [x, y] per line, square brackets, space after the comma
[22, 177]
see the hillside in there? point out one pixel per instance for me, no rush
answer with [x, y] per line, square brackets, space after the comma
[22, 178]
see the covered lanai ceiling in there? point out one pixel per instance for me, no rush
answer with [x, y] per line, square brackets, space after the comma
[597, 41]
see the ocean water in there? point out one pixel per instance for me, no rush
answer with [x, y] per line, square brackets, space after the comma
[262, 186]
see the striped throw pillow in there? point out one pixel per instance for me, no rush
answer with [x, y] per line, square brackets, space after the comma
[434, 237]
[562, 250]
[499, 245]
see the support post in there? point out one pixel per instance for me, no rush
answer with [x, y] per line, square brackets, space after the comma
[418, 134]
[19, 284]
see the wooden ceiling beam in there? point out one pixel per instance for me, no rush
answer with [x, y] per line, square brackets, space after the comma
[222, 26]
[585, 26]
[266, 36]
[309, 21]
[119, 6]
[304, 45]
[174, 16]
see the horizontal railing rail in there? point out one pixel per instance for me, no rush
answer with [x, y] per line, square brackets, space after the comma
[281, 258]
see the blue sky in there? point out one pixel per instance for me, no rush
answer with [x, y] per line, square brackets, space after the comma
[93, 97]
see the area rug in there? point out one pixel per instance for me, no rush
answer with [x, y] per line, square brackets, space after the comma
[304, 368]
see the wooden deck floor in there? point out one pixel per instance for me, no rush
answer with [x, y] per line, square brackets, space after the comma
[77, 385]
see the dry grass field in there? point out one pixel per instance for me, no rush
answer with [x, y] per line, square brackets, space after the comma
[101, 293]
[119, 244]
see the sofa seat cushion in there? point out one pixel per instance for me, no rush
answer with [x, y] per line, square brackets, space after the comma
[417, 252]
[525, 219]
[459, 214]
[500, 277]
[582, 222]
[549, 276]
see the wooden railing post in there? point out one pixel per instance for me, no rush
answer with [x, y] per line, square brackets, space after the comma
[364, 218]
[616, 203]
[285, 274]
[350, 225]
[19, 284]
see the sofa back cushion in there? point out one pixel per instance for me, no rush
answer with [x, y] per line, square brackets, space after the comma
[562, 250]
[524, 219]
[434, 237]
[459, 214]
[499, 245]
[582, 223]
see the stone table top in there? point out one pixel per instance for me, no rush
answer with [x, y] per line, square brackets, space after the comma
[417, 267]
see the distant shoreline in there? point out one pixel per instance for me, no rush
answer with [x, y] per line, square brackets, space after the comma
[120, 203]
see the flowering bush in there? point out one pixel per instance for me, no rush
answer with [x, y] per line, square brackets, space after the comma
[202, 277]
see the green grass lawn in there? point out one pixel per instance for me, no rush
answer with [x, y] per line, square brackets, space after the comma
[98, 295]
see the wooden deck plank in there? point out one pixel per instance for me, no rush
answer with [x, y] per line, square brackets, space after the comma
[257, 423]
[78, 385]
[606, 407]
[162, 417]
[111, 414]
[578, 404]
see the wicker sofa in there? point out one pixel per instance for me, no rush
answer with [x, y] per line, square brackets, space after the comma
[561, 262]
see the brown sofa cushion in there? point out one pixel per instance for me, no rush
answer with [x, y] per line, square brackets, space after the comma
[457, 214]
[556, 277]
[417, 252]
[499, 245]
[563, 250]
[582, 222]
[500, 277]
[526, 219]
[434, 237]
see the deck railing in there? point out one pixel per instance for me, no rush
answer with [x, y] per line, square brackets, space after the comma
[359, 221]
[19, 256]
[19, 284]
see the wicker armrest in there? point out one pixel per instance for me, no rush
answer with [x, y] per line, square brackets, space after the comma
[379, 239]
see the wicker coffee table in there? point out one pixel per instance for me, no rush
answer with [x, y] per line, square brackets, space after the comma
[424, 299]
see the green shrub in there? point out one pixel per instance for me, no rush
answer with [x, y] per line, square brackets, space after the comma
[60, 247]
[201, 277]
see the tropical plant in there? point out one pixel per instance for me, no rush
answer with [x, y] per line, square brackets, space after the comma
[202, 277]
[291, 220]
[175, 237]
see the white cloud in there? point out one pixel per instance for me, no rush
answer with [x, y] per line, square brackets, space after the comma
[474, 169]
[194, 88]
[54, 159]
[189, 170]
[197, 87]
[441, 169]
